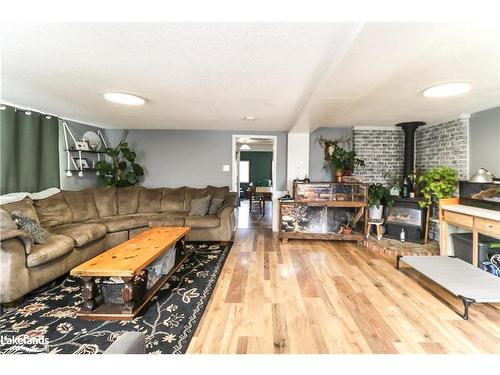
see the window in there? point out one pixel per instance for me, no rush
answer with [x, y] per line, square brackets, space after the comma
[244, 171]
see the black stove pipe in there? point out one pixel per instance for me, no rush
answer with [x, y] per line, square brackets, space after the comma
[409, 129]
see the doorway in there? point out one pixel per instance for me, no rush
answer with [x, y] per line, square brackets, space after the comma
[254, 179]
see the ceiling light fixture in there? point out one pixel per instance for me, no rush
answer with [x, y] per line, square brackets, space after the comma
[123, 98]
[245, 147]
[447, 89]
[249, 118]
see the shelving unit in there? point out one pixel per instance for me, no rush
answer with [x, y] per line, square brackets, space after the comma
[70, 149]
[314, 211]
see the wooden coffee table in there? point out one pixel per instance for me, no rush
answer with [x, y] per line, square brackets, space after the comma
[127, 260]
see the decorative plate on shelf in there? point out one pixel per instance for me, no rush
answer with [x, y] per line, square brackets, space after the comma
[93, 139]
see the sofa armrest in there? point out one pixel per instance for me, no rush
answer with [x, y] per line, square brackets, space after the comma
[14, 275]
[128, 343]
[8, 234]
[230, 202]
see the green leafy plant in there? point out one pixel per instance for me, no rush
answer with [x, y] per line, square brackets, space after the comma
[349, 220]
[121, 170]
[378, 195]
[343, 160]
[437, 182]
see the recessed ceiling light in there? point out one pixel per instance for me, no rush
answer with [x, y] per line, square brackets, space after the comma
[447, 89]
[249, 118]
[245, 147]
[123, 98]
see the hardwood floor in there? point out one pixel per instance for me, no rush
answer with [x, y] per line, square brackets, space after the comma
[255, 219]
[333, 297]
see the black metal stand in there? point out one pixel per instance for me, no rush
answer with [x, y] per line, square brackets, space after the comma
[398, 258]
[467, 302]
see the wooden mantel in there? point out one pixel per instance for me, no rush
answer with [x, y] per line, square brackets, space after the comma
[456, 218]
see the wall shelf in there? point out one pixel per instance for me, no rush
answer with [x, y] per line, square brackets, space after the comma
[72, 153]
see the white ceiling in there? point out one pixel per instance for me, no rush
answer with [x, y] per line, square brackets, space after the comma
[209, 76]
[381, 77]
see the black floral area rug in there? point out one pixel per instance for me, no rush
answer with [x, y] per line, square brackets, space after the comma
[47, 322]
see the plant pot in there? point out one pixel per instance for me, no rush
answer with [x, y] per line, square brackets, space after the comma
[375, 213]
[338, 175]
[347, 230]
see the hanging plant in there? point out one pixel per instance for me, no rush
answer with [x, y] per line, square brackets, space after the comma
[121, 170]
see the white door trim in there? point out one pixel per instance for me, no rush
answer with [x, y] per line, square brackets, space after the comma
[234, 157]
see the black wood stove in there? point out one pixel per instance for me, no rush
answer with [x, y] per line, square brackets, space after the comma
[408, 215]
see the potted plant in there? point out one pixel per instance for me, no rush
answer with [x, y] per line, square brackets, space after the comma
[348, 227]
[342, 161]
[378, 197]
[121, 170]
[435, 184]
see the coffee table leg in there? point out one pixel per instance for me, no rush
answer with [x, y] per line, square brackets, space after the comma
[127, 295]
[88, 294]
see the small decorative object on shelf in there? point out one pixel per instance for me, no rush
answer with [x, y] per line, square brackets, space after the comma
[82, 145]
[81, 163]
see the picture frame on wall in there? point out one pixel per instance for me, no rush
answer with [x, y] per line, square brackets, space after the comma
[82, 163]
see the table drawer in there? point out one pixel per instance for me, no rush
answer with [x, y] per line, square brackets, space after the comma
[459, 219]
[485, 225]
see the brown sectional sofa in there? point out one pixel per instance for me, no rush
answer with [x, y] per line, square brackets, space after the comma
[82, 224]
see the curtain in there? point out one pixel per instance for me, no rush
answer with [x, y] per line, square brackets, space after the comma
[29, 151]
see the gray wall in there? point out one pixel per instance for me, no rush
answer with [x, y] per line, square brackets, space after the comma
[318, 169]
[190, 157]
[484, 138]
[74, 182]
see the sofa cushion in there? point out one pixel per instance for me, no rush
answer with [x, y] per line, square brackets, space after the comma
[199, 206]
[24, 206]
[53, 211]
[106, 201]
[217, 192]
[173, 199]
[82, 233]
[124, 222]
[128, 199]
[149, 200]
[208, 221]
[82, 204]
[193, 193]
[54, 247]
[168, 219]
[215, 205]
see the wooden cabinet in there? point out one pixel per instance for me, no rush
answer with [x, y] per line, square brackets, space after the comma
[319, 210]
[456, 218]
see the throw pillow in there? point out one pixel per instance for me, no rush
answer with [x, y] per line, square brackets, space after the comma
[30, 226]
[215, 204]
[6, 220]
[199, 206]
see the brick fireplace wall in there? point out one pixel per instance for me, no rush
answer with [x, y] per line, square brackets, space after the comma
[443, 145]
[382, 150]
[438, 145]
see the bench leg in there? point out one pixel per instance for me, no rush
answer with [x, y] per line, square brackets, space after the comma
[398, 258]
[467, 302]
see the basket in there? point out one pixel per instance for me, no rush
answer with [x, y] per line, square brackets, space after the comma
[112, 293]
